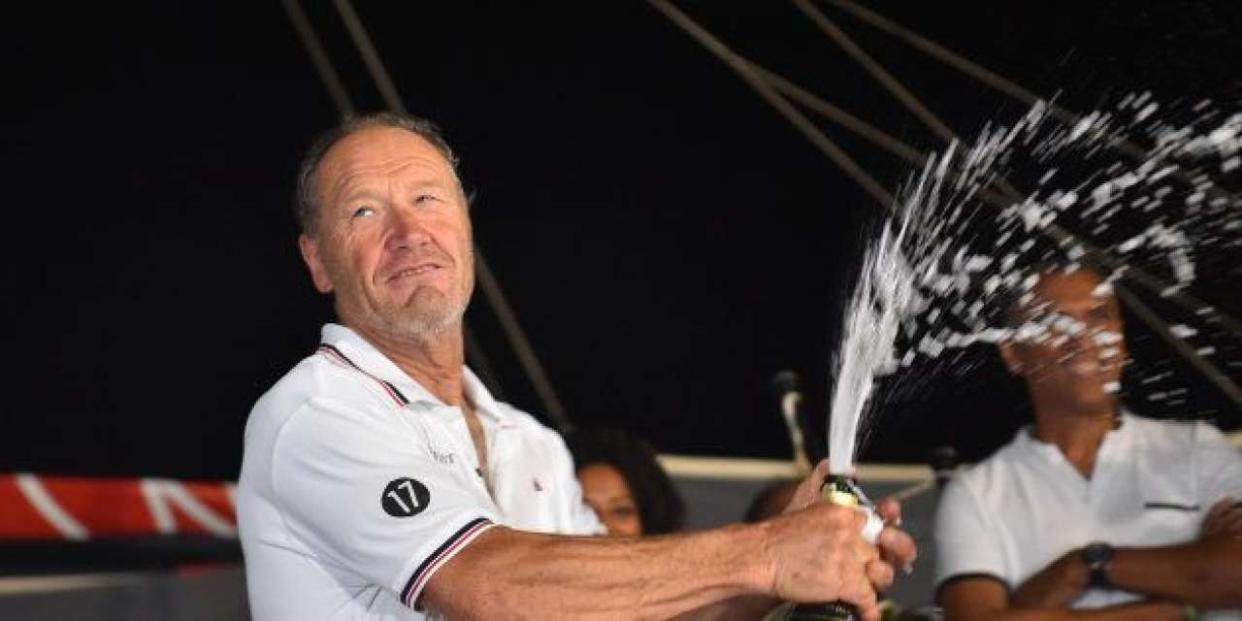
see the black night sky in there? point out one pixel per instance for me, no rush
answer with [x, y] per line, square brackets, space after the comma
[666, 239]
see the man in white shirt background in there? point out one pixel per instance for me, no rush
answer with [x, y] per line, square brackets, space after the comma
[1091, 513]
[380, 479]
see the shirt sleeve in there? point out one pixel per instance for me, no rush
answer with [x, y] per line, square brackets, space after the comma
[1219, 466]
[359, 487]
[966, 542]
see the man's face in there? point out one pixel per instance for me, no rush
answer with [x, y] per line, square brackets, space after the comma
[393, 239]
[1077, 357]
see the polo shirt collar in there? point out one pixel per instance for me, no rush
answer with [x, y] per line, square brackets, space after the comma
[372, 361]
[1118, 444]
[484, 403]
[1115, 445]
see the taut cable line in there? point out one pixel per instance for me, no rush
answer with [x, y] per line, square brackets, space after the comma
[319, 57]
[370, 57]
[1058, 233]
[525, 353]
[996, 81]
[752, 78]
[869, 132]
[1006, 86]
[757, 78]
[877, 71]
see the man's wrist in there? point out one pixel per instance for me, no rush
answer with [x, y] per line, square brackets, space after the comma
[1074, 572]
[760, 570]
[1098, 558]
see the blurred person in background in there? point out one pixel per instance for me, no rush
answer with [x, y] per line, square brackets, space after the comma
[624, 483]
[1091, 507]
[770, 501]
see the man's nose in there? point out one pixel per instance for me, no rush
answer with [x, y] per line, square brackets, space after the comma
[1071, 336]
[405, 230]
[1084, 340]
[1081, 341]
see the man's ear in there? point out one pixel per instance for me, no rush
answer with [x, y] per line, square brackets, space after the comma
[314, 263]
[1009, 353]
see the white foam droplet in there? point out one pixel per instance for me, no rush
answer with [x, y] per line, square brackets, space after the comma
[1182, 331]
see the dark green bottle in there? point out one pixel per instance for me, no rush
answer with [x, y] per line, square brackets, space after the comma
[839, 490]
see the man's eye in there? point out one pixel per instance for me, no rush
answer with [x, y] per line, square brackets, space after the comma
[362, 212]
[425, 198]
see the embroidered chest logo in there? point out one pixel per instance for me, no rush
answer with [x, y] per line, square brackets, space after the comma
[405, 497]
[538, 486]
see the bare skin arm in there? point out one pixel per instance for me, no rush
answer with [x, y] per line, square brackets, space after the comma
[815, 554]
[985, 599]
[1205, 573]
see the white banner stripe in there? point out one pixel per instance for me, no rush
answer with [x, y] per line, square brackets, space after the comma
[47, 507]
[161, 515]
[186, 501]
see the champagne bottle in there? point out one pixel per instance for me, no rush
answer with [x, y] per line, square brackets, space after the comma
[843, 491]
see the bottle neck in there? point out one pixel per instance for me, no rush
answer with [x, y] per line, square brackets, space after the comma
[841, 490]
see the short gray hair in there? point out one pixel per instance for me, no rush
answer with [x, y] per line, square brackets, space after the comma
[305, 202]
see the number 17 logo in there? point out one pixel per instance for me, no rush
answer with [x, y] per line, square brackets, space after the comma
[405, 497]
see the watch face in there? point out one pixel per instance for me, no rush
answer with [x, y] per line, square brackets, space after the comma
[1097, 554]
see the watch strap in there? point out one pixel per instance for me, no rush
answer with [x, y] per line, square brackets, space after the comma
[1098, 556]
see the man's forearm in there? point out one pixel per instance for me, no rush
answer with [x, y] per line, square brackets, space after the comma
[516, 573]
[1206, 573]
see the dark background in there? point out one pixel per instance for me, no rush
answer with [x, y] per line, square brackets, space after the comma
[667, 241]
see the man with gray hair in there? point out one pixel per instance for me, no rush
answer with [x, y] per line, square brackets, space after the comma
[382, 481]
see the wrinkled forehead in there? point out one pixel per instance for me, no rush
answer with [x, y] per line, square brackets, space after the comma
[382, 153]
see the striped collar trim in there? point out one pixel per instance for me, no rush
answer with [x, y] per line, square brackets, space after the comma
[347, 348]
[334, 354]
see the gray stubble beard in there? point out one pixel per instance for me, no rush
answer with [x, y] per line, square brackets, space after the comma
[413, 322]
[419, 327]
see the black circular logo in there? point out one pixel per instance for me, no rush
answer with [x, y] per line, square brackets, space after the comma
[405, 497]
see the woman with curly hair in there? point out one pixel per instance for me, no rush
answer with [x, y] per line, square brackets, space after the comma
[625, 485]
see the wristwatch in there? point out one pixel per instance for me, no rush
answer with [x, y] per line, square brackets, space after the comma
[1097, 556]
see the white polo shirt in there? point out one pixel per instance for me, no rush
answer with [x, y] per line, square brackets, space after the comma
[1015, 513]
[357, 485]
